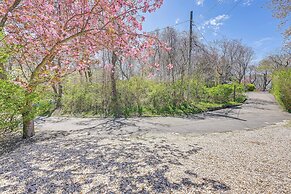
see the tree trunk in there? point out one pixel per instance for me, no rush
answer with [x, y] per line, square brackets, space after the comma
[114, 98]
[28, 126]
[58, 90]
[27, 119]
[265, 77]
[59, 97]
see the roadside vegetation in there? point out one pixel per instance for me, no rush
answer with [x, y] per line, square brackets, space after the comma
[281, 87]
[142, 97]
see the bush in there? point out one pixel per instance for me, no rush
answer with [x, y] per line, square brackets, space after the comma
[281, 87]
[220, 93]
[142, 97]
[12, 103]
[250, 87]
[224, 93]
[81, 98]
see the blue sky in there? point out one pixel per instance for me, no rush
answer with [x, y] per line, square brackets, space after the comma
[247, 20]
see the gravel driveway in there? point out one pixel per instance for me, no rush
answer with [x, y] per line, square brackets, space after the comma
[129, 156]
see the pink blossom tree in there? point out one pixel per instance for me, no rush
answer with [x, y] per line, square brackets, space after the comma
[73, 32]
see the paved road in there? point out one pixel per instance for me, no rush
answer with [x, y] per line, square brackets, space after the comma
[259, 110]
[147, 155]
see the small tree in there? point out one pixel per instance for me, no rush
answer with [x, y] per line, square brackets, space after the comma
[48, 30]
[265, 74]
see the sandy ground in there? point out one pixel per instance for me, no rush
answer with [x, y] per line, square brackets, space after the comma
[256, 161]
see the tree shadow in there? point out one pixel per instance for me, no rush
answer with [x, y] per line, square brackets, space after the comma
[230, 113]
[11, 140]
[98, 163]
[217, 115]
[261, 104]
[118, 127]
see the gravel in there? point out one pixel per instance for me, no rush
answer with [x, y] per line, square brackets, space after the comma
[100, 160]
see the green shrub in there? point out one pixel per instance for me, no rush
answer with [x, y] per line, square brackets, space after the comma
[250, 87]
[220, 93]
[82, 98]
[12, 103]
[240, 96]
[142, 97]
[281, 87]
[224, 93]
[133, 96]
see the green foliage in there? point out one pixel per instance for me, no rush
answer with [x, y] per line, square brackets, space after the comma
[224, 93]
[133, 95]
[281, 87]
[250, 87]
[220, 93]
[42, 102]
[13, 99]
[4, 50]
[82, 98]
[141, 97]
[11, 102]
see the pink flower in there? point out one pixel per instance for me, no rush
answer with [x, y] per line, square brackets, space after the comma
[157, 65]
[151, 75]
[108, 67]
[50, 32]
[170, 66]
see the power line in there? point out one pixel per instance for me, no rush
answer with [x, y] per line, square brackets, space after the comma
[233, 7]
[227, 13]
[177, 24]
[210, 9]
[199, 31]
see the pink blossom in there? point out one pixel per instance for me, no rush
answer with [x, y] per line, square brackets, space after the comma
[46, 32]
[170, 66]
[150, 75]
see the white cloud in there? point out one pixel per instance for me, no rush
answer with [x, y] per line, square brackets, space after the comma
[248, 2]
[213, 24]
[199, 2]
[244, 2]
[216, 22]
[261, 42]
[201, 16]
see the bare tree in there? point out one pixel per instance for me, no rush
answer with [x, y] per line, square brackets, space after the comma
[252, 70]
[265, 71]
[281, 60]
[244, 57]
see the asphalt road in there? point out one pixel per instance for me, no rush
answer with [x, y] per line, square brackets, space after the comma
[259, 110]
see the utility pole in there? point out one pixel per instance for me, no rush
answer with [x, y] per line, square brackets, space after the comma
[191, 40]
[190, 50]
